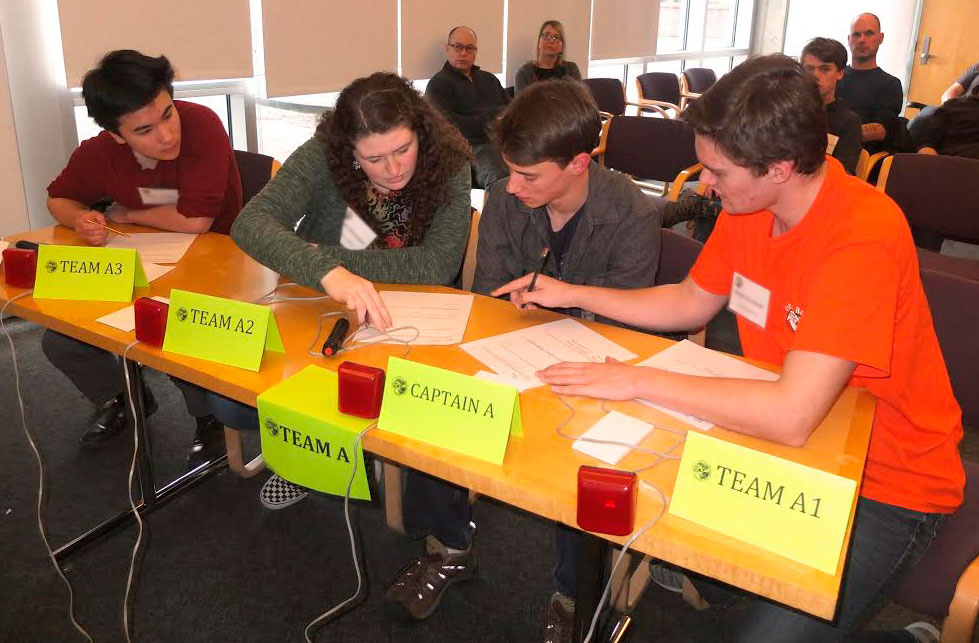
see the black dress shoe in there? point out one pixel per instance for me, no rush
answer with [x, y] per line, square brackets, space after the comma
[208, 442]
[108, 421]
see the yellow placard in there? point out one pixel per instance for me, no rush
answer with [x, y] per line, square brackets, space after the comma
[779, 505]
[230, 332]
[306, 440]
[450, 410]
[87, 273]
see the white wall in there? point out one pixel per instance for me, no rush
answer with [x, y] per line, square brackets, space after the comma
[13, 206]
[831, 19]
[39, 97]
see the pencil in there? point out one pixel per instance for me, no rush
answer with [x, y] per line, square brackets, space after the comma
[110, 229]
[543, 262]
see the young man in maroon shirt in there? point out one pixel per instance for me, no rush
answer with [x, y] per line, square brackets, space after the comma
[162, 163]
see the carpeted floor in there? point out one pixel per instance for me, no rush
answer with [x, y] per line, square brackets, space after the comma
[219, 567]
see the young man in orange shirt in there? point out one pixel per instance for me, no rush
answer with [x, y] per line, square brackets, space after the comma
[822, 273]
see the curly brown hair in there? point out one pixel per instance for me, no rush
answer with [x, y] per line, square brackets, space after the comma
[375, 105]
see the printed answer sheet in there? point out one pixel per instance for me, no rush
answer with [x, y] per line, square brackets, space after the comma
[521, 353]
[155, 247]
[125, 318]
[692, 359]
[440, 318]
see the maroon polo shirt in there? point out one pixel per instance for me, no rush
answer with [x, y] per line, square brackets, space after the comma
[205, 173]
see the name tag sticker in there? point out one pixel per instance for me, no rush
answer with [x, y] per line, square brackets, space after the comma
[776, 504]
[306, 440]
[450, 410]
[750, 300]
[87, 273]
[221, 330]
[355, 234]
[159, 196]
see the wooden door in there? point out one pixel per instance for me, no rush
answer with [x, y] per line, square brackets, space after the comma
[952, 25]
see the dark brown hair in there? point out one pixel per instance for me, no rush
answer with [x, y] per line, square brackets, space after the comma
[552, 121]
[765, 110]
[375, 105]
[826, 50]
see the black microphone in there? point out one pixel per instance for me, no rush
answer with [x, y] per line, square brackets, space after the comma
[333, 343]
[23, 244]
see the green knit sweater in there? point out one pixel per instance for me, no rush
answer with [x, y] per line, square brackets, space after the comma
[303, 192]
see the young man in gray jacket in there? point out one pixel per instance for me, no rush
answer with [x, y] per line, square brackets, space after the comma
[599, 230]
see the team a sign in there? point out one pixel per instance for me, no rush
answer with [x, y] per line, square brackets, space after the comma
[221, 330]
[88, 273]
[450, 410]
[306, 440]
[782, 506]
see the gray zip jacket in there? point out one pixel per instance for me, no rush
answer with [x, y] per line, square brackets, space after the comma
[615, 245]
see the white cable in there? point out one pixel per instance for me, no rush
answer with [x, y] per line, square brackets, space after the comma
[40, 470]
[661, 455]
[353, 542]
[625, 548]
[129, 495]
[271, 297]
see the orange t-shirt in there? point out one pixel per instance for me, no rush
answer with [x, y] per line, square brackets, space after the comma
[845, 282]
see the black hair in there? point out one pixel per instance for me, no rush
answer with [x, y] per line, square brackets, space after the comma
[125, 81]
[826, 50]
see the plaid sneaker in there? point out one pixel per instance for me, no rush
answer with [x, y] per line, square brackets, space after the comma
[278, 493]
[418, 588]
[559, 624]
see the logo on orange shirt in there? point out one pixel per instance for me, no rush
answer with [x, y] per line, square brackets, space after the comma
[792, 316]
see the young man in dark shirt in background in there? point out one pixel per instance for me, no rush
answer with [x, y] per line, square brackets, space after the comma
[825, 59]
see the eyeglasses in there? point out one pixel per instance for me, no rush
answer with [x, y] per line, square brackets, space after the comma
[550, 37]
[458, 48]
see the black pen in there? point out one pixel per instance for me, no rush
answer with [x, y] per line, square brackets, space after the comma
[543, 262]
[333, 343]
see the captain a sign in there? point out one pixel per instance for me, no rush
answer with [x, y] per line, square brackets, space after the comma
[450, 410]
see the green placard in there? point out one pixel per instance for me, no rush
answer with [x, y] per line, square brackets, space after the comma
[230, 332]
[779, 505]
[306, 440]
[87, 273]
[450, 410]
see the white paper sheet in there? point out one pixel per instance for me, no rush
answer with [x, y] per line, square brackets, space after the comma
[125, 319]
[154, 270]
[614, 427]
[355, 234]
[520, 385]
[155, 247]
[692, 359]
[521, 353]
[440, 318]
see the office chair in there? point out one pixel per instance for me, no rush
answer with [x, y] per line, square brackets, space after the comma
[658, 92]
[945, 582]
[651, 149]
[256, 170]
[694, 82]
[938, 196]
[609, 95]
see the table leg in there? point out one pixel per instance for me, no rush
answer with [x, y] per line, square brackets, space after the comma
[591, 572]
[151, 497]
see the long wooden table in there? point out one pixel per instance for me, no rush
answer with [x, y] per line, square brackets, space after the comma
[539, 471]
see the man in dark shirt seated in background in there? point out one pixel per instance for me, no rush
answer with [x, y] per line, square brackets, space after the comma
[875, 95]
[824, 59]
[163, 163]
[954, 128]
[470, 98]
[965, 84]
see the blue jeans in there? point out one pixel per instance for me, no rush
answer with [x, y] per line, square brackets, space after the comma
[886, 540]
[433, 506]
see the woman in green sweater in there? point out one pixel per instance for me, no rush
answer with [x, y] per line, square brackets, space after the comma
[383, 156]
[382, 164]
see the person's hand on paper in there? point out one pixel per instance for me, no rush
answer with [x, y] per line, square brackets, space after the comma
[358, 294]
[548, 292]
[611, 380]
[90, 226]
